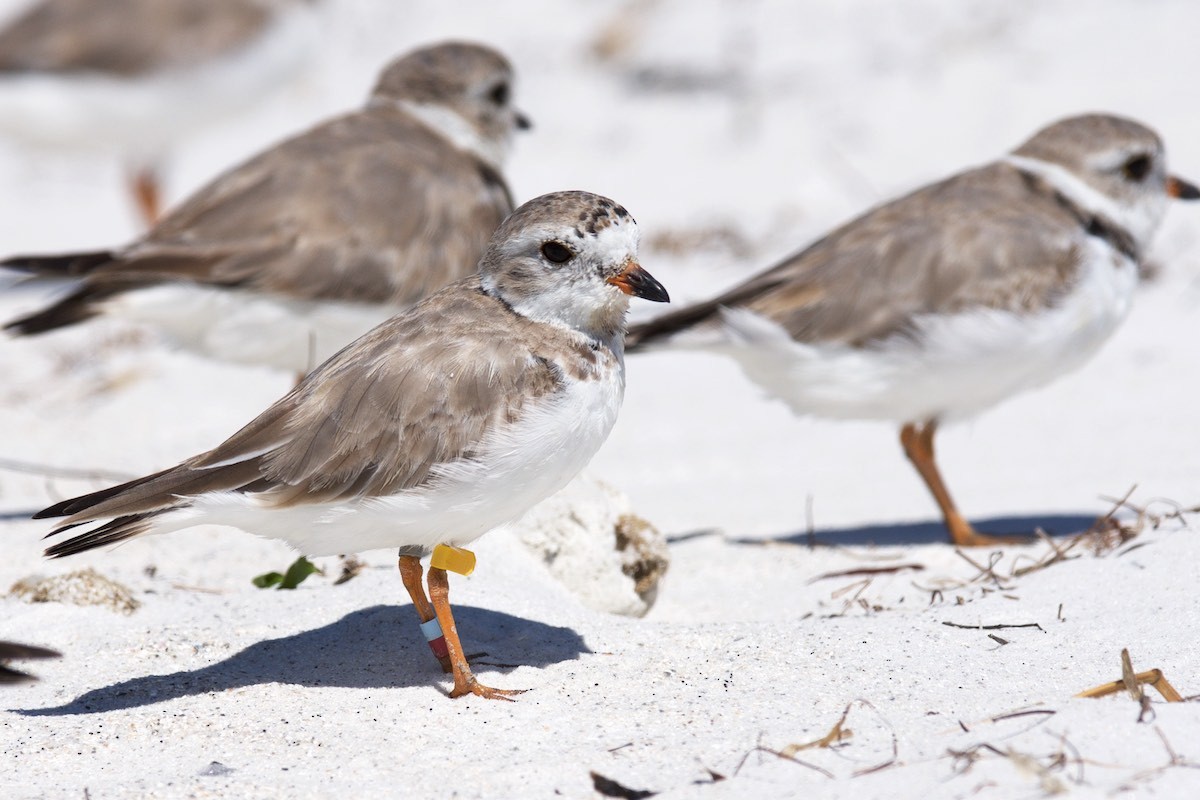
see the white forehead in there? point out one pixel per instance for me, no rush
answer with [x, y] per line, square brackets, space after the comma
[592, 226]
[615, 242]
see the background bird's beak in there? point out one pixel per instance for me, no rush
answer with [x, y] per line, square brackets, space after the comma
[1181, 189]
[639, 283]
[524, 123]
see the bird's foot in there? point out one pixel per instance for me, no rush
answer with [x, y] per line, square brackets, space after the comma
[967, 536]
[474, 687]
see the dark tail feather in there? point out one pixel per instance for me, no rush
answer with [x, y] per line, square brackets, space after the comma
[111, 532]
[158, 492]
[71, 265]
[76, 504]
[646, 334]
[75, 307]
[11, 651]
[652, 332]
[78, 306]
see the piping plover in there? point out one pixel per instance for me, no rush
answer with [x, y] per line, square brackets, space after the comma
[135, 76]
[286, 258]
[449, 419]
[950, 299]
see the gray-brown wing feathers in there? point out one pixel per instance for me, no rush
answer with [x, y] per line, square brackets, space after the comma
[438, 401]
[371, 207]
[982, 239]
[423, 389]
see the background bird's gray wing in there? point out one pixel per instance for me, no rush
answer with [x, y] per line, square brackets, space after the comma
[981, 239]
[371, 207]
[127, 38]
[423, 389]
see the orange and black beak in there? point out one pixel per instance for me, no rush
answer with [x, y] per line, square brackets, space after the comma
[639, 283]
[1181, 189]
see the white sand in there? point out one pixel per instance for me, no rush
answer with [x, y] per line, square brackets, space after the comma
[794, 120]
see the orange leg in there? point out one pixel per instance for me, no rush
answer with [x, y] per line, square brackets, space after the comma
[918, 446]
[464, 681]
[410, 573]
[147, 194]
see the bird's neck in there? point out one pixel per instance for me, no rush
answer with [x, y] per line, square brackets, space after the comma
[459, 131]
[1127, 228]
[601, 322]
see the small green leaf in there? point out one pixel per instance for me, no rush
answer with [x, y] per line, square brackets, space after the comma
[268, 579]
[300, 569]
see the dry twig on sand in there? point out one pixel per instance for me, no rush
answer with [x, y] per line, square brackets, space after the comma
[1132, 682]
[836, 738]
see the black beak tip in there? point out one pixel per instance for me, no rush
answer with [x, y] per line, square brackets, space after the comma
[524, 123]
[1188, 191]
[647, 287]
[659, 295]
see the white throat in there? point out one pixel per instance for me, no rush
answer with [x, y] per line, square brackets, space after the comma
[595, 311]
[1140, 220]
[459, 131]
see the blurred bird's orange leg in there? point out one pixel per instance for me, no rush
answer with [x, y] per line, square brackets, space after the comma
[464, 681]
[918, 446]
[410, 573]
[147, 194]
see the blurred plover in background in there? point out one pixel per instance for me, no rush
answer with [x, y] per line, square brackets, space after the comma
[944, 302]
[446, 421]
[286, 258]
[134, 77]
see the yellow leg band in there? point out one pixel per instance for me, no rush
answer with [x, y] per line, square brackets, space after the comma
[453, 559]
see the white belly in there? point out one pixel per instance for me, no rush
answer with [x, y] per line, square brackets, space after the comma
[249, 327]
[521, 466]
[954, 366]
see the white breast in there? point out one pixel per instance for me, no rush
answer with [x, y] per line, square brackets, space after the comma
[521, 465]
[954, 366]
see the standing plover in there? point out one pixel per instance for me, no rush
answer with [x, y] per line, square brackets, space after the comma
[449, 419]
[948, 300]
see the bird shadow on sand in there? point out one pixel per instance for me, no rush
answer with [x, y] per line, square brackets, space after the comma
[376, 648]
[932, 532]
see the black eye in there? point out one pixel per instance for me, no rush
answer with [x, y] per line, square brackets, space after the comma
[499, 94]
[557, 252]
[1137, 167]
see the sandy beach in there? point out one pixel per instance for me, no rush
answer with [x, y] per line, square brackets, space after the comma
[810, 582]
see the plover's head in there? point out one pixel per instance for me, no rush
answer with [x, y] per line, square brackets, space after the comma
[569, 259]
[462, 90]
[1110, 165]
